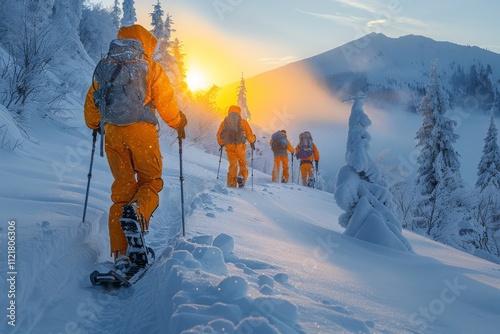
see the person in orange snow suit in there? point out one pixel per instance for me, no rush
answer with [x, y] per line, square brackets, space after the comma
[280, 146]
[126, 115]
[233, 134]
[307, 152]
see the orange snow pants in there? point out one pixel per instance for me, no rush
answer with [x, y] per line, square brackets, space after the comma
[134, 157]
[306, 170]
[236, 157]
[278, 162]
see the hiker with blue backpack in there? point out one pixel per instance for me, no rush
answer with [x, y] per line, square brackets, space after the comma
[280, 146]
[307, 152]
[233, 134]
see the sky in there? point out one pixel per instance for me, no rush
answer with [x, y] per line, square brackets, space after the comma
[225, 39]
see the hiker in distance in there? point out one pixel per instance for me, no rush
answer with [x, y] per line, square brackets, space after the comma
[280, 145]
[128, 86]
[307, 152]
[233, 134]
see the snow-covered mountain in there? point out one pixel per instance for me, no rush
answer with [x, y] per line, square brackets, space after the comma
[391, 71]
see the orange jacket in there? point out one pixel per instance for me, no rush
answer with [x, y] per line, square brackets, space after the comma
[159, 92]
[244, 124]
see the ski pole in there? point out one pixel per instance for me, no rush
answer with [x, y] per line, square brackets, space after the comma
[252, 165]
[89, 175]
[291, 157]
[317, 180]
[181, 178]
[220, 158]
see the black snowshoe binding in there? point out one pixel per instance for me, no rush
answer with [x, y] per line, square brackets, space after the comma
[240, 182]
[136, 250]
[141, 257]
[310, 182]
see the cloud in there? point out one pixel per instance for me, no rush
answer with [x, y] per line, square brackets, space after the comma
[369, 6]
[374, 22]
[347, 20]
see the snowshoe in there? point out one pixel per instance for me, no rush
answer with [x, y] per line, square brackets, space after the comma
[122, 263]
[136, 250]
[116, 278]
[240, 182]
[310, 182]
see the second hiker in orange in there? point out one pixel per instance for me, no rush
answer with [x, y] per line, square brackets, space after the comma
[280, 146]
[233, 134]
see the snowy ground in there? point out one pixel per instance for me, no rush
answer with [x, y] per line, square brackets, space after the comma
[271, 259]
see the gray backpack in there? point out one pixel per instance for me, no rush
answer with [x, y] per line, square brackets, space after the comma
[122, 78]
[233, 131]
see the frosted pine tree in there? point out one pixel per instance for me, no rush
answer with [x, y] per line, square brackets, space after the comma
[129, 16]
[242, 99]
[177, 67]
[116, 13]
[167, 27]
[157, 20]
[362, 192]
[487, 211]
[441, 201]
[488, 170]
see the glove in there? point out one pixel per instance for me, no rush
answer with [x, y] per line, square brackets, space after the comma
[316, 163]
[180, 128]
[252, 145]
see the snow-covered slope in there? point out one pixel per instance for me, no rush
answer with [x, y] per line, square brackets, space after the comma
[271, 259]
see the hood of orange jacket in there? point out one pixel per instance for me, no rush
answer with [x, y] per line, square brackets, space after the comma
[235, 109]
[140, 33]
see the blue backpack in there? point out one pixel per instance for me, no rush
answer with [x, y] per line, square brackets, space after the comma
[279, 143]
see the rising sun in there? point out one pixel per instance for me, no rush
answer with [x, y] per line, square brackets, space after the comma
[196, 80]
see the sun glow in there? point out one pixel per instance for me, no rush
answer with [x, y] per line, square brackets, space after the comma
[196, 80]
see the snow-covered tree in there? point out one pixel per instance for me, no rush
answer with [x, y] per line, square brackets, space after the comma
[168, 30]
[41, 35]
[488, 170]
[242, 99]
[362, 192]
[116, 14]
[157, 20]
[441, 201]
[177, 67]
[129, 16]
[96, 30]
[487, 211]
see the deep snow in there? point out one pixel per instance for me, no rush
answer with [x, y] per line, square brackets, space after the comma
[271, 259]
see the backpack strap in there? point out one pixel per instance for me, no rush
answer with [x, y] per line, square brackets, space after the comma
[107, 94]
